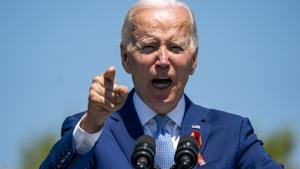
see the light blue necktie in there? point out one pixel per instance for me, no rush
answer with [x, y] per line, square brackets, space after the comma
[164, 147]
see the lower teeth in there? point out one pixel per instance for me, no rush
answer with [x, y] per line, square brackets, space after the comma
[161, 85]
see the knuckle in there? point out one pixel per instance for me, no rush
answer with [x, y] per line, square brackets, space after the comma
[92, 92]
[93, 86]
[96, 79]
[92, 97]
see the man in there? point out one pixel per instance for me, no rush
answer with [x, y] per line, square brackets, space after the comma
[159, 49]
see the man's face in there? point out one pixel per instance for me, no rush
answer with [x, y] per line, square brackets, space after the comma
[160, 58]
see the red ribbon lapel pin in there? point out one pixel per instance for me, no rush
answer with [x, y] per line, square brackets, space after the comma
[197, 135]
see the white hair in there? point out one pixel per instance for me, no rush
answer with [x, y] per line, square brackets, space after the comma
[126, 37]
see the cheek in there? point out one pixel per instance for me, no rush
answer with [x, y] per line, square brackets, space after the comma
[142, 59]
[182, 65]
[183, 68]
[142, 63]
[141, 67]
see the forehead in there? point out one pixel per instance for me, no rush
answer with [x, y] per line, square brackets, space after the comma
[165, 21]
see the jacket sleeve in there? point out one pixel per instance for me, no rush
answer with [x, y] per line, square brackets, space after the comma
[63, 154]
[251, 153]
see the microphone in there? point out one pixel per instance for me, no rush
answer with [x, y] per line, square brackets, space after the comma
[186, 153]
[144, 152]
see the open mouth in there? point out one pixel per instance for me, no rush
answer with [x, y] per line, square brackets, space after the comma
[161, 83]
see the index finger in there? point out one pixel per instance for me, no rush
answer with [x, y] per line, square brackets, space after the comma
[109, 74]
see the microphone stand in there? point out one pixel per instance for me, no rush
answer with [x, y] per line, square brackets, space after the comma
[174, 166]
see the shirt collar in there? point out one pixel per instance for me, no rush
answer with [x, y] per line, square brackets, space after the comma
[145, 113]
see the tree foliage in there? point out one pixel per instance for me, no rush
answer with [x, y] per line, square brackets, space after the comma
[280, 145]
[36, 151]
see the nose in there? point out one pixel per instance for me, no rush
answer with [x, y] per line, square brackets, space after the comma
[163, 57]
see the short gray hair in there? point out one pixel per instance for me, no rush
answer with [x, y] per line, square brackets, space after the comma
[126, 37]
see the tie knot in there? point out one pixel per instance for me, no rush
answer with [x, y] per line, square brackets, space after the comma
[161, 122]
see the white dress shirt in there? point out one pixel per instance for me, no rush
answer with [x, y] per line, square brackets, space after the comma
[84, 141]
[146, 116]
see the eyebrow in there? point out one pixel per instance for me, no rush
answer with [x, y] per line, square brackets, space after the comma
[180, 42]
[146, 37]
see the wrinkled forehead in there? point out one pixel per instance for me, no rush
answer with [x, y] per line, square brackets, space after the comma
[173, 13]
[166, 20]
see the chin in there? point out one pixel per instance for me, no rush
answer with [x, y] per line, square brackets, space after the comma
[164, 106]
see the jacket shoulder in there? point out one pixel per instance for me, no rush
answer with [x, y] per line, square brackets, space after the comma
[220, 115]
[220, 118]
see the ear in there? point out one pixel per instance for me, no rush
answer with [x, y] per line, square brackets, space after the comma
[194, 62]
[124, 57]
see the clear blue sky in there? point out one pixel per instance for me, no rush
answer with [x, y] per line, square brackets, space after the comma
[249, 62]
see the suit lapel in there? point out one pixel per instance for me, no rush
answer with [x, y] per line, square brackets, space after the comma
[195, 115]
[128, 129]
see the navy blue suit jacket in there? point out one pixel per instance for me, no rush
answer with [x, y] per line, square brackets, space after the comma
[228, 141]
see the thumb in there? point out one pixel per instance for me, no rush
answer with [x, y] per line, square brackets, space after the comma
[122, 90]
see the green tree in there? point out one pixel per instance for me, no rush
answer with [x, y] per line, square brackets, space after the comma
[280, 145]
[36, 150]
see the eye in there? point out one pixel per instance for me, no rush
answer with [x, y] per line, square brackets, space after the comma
[148, 48]
[176, 48]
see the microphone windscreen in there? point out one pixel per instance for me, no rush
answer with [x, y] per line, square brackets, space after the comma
[187, 138]
[146, 139]
[144, 153]
[186, 153]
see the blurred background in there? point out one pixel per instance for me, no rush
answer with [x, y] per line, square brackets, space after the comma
[249, 64]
